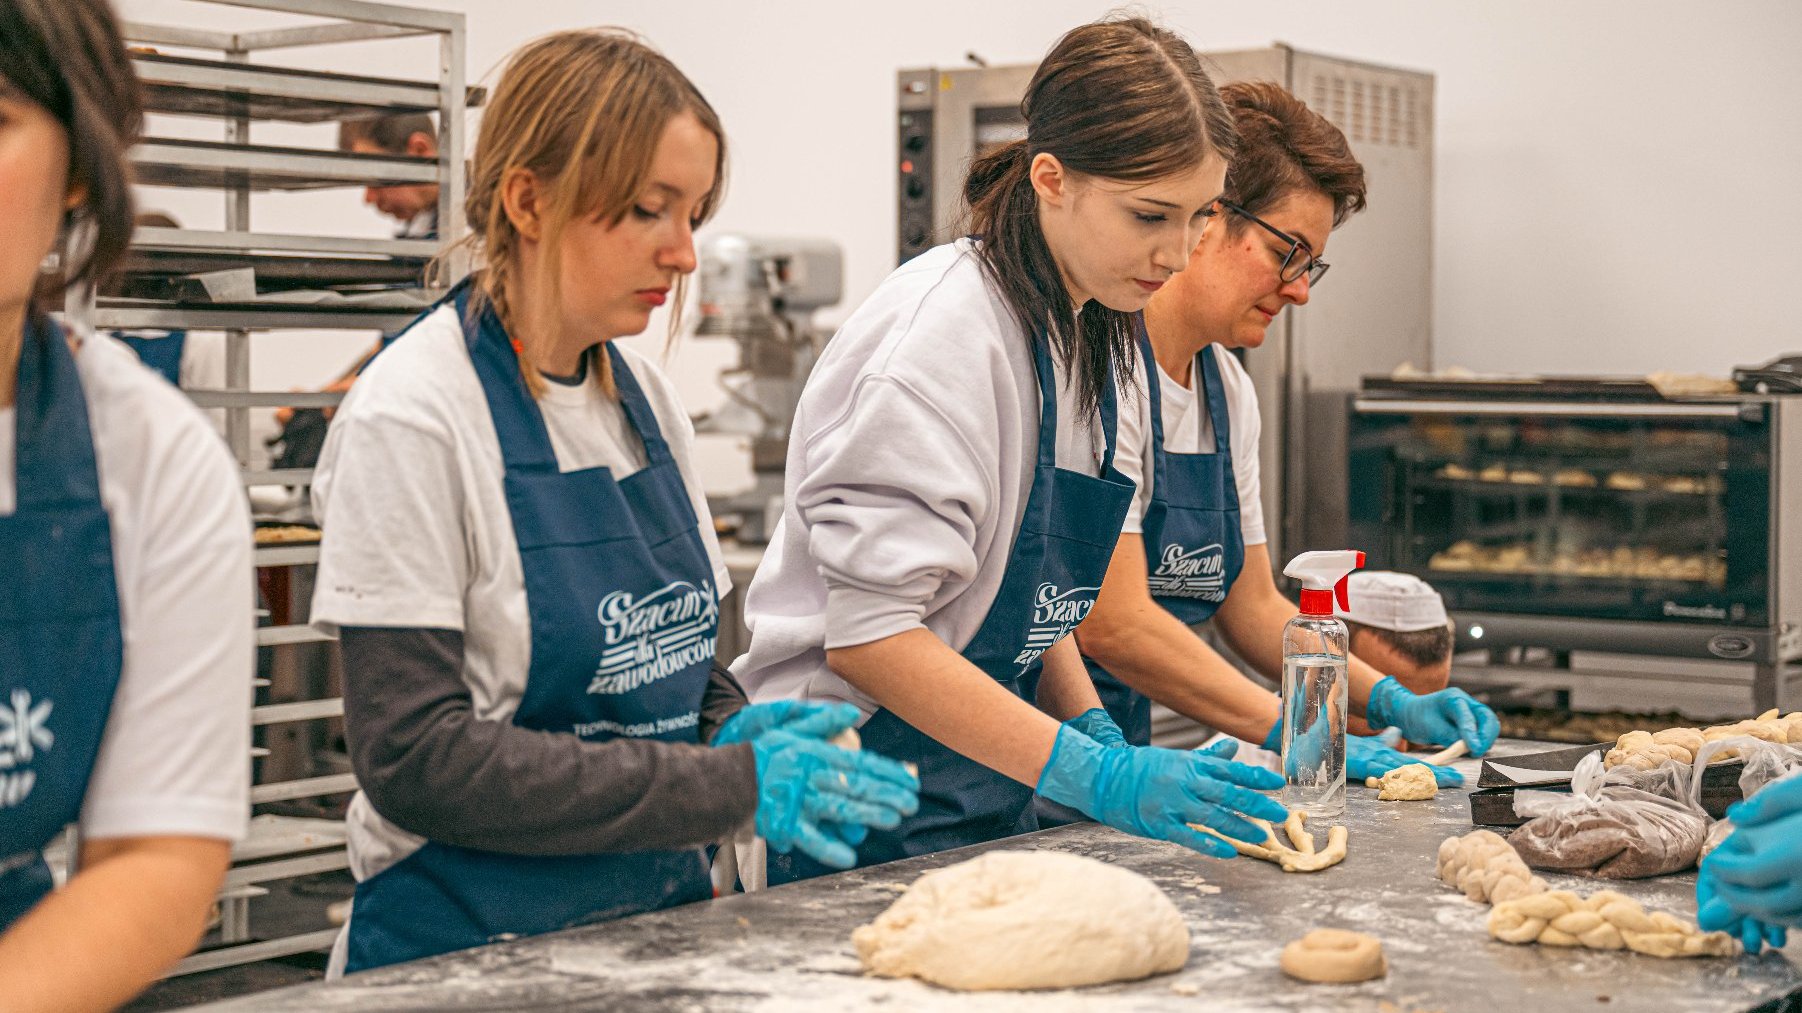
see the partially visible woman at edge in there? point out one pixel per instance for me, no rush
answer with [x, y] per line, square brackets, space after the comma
[126, 591]
[1200, 554]
[519, 562]
[963, 458]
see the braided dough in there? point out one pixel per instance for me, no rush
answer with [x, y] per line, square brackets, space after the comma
[1642, 750]
[1483, 865]
[1334, 956]
[1300, 858]
[1486, 868]
[1412, 783]
[1604, 920]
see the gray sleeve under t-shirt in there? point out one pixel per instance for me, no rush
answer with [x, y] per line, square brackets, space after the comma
[431, 767]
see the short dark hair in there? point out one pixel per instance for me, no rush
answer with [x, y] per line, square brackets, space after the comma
[68, 57]
[389, 133]
[1285, 147]
[1422, 647]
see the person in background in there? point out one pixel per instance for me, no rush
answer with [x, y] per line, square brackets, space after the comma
[126, 622]
[1398, 625]
[519, 563]
[1199, 553]
[413, 206]
[963, 459]
[165, 352]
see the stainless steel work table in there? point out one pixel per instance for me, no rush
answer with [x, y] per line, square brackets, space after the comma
[789, 948]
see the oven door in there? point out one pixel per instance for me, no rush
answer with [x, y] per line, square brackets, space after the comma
[1649, 512]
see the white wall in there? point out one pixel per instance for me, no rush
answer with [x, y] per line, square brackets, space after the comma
[1616, 187]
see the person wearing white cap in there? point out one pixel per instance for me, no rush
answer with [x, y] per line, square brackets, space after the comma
[1198, 552]
[1398, 625]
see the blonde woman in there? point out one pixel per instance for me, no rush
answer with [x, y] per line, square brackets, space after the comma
[520, 564]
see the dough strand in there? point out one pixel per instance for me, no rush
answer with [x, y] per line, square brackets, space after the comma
[1301, 857]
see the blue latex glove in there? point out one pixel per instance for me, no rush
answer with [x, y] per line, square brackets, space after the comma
[1716, 915]
[1097, 724]
[1157, 793]
[1752, 884]
[1440, 718]
[807, 718]
[1374, 756]
[823, 799]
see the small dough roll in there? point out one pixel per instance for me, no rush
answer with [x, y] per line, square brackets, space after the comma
[1412, 783]
[1335, 956]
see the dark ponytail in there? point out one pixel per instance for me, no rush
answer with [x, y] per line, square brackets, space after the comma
[1121, 99]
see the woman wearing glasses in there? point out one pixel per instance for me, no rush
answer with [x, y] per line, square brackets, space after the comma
[1202, 553]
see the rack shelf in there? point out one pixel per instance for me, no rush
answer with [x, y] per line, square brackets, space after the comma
[184, 86]
[215, 165]
[133, 314]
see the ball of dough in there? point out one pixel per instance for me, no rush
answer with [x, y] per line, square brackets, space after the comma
[1335, 956]
[1024, 920]
[1411, 783]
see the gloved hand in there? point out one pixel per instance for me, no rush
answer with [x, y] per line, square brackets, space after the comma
[1715, 915]
[1097, 724]
[806, 718]
[1157, 793]
[823, 799]
[1440, 718]
[1374, 756]
[1752, 883]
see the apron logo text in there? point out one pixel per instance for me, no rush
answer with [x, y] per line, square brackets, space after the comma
[1054, 614]
[651, 638]
[1195, 573]
[24, 731]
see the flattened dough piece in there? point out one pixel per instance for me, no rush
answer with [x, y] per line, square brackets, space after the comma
[1412, 783]
[1335, 956]
[1026, 920]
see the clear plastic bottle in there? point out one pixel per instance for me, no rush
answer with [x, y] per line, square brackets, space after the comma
[1314, 691]
[1315, 678]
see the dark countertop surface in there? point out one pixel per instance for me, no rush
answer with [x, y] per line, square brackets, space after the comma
[790, 948]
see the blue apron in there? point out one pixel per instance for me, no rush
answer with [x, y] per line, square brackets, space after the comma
[1194, 547]
[160, 350]
[60, 644]
[624, 616]
[1067, 536]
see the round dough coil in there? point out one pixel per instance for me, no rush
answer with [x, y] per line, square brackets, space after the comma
[1334, 956]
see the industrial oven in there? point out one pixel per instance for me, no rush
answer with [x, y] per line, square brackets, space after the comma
[1590, 515]
[1374, 313]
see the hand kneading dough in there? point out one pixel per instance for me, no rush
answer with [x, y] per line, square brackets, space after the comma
[1026, 919]
[1411, 783]
[1334, 956]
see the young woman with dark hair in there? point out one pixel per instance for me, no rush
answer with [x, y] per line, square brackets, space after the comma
[126, 597]
[1200, 552]
[963, 459]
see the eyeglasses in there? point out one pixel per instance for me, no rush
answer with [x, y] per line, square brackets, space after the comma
[1298, 261]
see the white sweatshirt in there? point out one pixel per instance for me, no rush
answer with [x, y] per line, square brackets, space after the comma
[909, 465]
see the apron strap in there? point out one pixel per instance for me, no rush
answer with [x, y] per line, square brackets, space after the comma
[1109, 407]
[1154, 383]
[54, 458]
[1216, 393]
[638, 409]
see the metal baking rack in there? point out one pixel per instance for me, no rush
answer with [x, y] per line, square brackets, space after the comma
[294, 695]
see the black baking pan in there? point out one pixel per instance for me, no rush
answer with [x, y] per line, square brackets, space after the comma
[1492, 803]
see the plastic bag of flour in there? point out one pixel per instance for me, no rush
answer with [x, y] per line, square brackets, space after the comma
[1615, 824]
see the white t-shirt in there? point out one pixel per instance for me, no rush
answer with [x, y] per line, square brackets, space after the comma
[175, 756]
[909, 464]
[1189, 429]
[417, 530]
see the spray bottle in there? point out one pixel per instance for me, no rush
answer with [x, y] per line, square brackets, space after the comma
[1315, 677]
